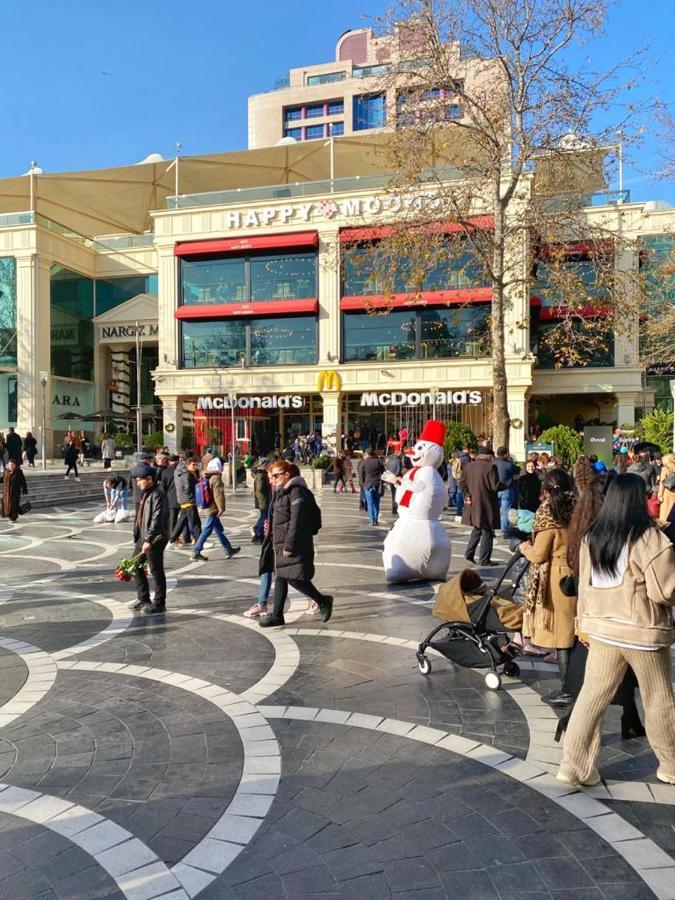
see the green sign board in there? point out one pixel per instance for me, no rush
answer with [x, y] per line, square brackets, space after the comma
[538, 447]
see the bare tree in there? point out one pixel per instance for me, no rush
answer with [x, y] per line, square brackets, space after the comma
[496, 134]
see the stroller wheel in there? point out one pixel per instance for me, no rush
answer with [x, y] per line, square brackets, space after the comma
[512, 669]
[424, 664]
[493, 681]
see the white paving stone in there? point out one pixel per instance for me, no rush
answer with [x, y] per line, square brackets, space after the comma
[272, 712]
[306, 713]
[150, 881]
[73, 821]
[395, 726]
[582, 806]
[488, 755]
[634, 791]
[43, 808]
[126, 857]
[250, 804]
[363, 720]
[661, 881]
[427, 735]
[212, 856]
[13, 798]
[613, 828]
[238, 829]
[101, 836]
[643, 853]
[262, 748]
[258, 784]
[333, 716]
[262, 765]
[458, 744]
[193, 880]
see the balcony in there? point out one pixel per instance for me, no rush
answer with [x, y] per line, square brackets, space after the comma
[301, 189]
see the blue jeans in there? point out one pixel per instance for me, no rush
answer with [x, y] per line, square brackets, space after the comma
[504, 507]
[213, 523]
[260, 524]
[459, 502]
[373, 503]
[265, 586]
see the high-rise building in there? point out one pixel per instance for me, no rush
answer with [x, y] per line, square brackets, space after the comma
[355, 92]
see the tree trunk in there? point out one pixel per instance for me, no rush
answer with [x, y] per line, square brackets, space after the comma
[501, 422]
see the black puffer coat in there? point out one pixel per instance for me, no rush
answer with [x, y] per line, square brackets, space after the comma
[290, 530]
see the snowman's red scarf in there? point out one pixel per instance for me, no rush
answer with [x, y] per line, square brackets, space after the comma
[407, 495]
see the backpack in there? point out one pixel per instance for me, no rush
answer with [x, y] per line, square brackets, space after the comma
[456, 468]
[312, 513]
[203, 493]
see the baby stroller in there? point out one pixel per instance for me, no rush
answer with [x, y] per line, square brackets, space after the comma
[476, 619]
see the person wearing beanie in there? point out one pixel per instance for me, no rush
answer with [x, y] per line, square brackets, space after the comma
[151, 533]
[213, 496]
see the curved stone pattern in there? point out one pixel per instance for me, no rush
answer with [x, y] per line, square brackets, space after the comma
[357, 777]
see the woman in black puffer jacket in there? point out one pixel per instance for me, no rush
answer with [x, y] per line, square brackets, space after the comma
[289, 535]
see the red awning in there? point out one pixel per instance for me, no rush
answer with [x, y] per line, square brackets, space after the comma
[352, 235]
[257, 308]
[578, 248]
[425, 298]
[233, 245]
[553, 313]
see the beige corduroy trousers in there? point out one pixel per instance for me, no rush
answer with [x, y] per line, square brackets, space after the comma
[605, 669]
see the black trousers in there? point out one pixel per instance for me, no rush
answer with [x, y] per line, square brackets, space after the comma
[281, 592]
[484, 535]
[175, 511]
[394, 505]
[107, 463]
[189, 517]
[72, 466]
[155, 558]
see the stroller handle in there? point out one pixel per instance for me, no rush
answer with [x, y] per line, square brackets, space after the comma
[510, 564]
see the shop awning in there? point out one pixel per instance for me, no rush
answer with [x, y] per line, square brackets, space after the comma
[263, 242]
[353, 235]
[256, 308]
[411, 301]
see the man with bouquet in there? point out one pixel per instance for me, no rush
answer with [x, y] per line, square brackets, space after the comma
[151, 533]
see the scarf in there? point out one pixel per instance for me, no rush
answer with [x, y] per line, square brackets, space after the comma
[538, 612]
[407, 495]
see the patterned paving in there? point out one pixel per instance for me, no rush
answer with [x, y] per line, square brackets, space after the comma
[197, 755]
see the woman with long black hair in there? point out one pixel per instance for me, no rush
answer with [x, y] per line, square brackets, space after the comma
[626, 593]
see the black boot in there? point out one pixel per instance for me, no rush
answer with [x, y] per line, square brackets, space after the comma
[560, 697]
[631, 726]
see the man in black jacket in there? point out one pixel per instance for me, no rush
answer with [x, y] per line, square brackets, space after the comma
[13, 444]
[370, 475]
[151, 532]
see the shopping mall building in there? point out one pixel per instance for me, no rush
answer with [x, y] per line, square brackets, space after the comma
[237, 294]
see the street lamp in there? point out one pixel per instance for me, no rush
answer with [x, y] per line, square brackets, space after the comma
[232, 397]
[44, 377]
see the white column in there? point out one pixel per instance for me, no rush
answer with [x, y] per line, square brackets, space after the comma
[167, 290]
[518, 405]
[625, 413]
[172, 409]
[328, 276]
[332, 424]
[34, 343]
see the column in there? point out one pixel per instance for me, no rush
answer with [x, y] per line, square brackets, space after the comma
[518, 407]
[626, 343]
[328, 275]
[172, 411]
[625, 412]
[34, 345]
[167, 285]
[332, 424]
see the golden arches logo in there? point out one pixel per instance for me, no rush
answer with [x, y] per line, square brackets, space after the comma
[328, 380]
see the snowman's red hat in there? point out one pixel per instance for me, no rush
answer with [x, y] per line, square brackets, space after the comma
[433, 431]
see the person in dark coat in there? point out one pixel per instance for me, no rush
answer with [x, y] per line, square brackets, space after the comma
[262, 495]
[151, 533]
[370, 470]
[30, 448]
[289, 528]
[13, 443]
[13, 485]
[185, 478]
[480, 483]
[70, 454]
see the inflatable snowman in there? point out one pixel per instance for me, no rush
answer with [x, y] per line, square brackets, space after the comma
[418, 546]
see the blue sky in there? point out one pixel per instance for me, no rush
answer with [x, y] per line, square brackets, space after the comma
[86, 83]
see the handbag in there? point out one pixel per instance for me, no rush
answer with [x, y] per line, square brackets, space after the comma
[568, 586]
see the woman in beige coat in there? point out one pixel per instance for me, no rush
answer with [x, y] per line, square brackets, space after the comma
[666, 496]
[549, 614]
[626, 596]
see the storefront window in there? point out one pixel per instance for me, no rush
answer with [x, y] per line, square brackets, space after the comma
[275, 341]
[283, 277]
[572, 278]
[8, 399]
[361, 273]
[387, 337]
[111, 292]
[417, 334]
[241, 279]
[72, 329]
[7, 312]
[214, 281]
[448, 333]
[601, 357]
[208, 344]
[283, 342]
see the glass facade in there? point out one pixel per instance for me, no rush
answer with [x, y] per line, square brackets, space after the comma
[657, 251]
[336, 128]
[72, 329]
[370, 111]
[295, 133]
[417, 334]
[336, 108]
[274, 341]
[569, 276]
[7, 312]
[111, 292]
[241, 279]
[314, 131]
[314, 112]
[462, 269]
[293, 114]
[601, 357]
[328, 78]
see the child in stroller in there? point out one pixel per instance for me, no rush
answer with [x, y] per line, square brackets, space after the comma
[476, 623]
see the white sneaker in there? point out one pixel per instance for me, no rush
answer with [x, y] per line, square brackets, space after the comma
[65, 478]
[78, 479]
[173, 546]
[209, 545]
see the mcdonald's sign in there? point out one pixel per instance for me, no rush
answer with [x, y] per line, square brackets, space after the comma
[328, 380]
